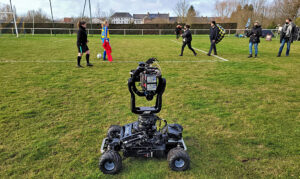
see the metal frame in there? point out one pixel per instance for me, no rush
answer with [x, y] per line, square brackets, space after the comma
[71, 30]
[14, 17]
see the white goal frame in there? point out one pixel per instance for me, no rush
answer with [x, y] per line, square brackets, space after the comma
[14, 17]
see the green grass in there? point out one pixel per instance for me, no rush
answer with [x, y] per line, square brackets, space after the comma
[241, 118]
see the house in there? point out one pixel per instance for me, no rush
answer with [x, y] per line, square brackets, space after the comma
[173, 20]
[156, 18]
[139, 18]
[97, 20]
[68, 20]
[121, 18]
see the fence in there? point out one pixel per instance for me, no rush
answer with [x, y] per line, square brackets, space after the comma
[72, 31]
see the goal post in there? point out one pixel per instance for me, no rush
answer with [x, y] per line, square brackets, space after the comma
[14, 17]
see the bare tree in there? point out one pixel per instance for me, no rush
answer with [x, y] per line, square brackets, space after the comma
[181, 10]
[98, 11]
[38, 15]
[6, 17]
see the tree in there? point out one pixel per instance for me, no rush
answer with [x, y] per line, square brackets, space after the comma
[297, 21]
[38, 15]
[191, 14]
[181, 10]
[6, 8]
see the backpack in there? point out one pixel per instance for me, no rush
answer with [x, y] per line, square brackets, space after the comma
[295, 33]
[221, 33]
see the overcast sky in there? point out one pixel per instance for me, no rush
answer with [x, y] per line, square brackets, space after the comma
[69, 8]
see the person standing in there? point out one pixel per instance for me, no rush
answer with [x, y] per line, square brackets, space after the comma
[105, 36]
[213, 37]
[82, 44]
[187, 40]
[254, 35]
[286, 36]
[178, 31]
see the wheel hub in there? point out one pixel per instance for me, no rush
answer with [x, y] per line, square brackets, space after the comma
[109, 165]
[179, 163]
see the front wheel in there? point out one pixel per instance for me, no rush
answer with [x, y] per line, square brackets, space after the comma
[178, 159]
[110, 162]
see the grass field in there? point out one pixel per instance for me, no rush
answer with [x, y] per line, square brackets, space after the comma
[241, 117]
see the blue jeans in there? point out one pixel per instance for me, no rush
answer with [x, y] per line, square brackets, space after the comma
[282, 45]
[255, 47]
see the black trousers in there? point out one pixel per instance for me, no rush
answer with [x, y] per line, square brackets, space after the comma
[213, 46]
[189, 45]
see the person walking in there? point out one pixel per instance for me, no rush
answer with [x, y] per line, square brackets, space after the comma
[286, 36]
[213, 37]
[105, 36]
[254, 35]
[187, 40]
[82, 44]
[178, 31]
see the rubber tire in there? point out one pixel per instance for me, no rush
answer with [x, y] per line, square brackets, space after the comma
[175, 154]
[111, 156]
[113, 129]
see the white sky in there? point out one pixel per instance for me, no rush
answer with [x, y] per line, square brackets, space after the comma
[69, 8]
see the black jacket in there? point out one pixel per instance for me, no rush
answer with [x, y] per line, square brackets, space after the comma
[178, 30]
[187, 36]
[255, 34]
[81, 36]
[213, 33]
[283, 34]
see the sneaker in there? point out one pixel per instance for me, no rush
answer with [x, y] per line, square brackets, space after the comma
[181, 55]
[215, 54]
[278, 55]
[79, 66]
[250, 56]
[195, 54]
[208, 54]
[89, 64]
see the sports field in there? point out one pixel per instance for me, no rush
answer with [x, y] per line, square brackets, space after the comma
[241, 117]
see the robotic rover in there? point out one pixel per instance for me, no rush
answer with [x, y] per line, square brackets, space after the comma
[144, 138]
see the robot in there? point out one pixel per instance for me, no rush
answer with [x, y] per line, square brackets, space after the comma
[145, 137]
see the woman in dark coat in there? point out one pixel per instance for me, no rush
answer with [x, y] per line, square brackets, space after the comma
[82, 44]
[254, 35]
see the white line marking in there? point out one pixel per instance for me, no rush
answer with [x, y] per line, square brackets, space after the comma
[223, 59]
[96, 61]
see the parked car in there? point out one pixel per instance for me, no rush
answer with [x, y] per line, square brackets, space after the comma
[267, 32]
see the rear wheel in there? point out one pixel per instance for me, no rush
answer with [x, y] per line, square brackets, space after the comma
[110, 162]
[178, 159]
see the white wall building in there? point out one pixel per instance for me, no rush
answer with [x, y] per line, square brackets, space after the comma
[139, 18]
[121, 18]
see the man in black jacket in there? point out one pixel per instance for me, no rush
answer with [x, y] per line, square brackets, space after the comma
[213, 37]
[254, 35]
[286, 36]
[187, 40]
[82, 44]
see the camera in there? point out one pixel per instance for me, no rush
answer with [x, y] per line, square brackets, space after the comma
[148, 77]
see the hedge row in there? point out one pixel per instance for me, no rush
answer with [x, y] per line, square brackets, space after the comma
[118, 26]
